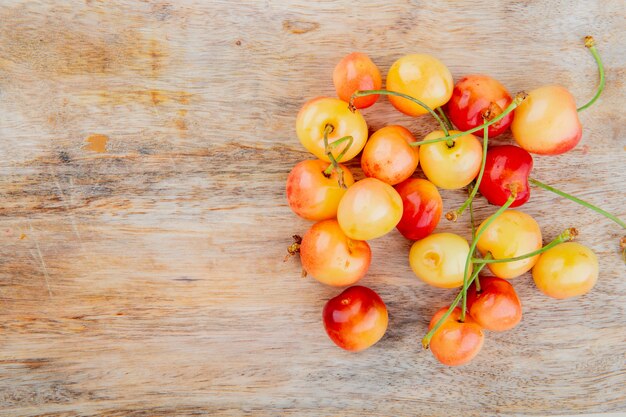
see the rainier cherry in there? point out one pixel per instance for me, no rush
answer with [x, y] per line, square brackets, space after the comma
[451, 165]
[507, 168]
[388, 156]
[455, 342]
[369, 209]
[423, 77]
[311, 193]
[330, 114]
[355, 319]
[510, 235]
[439, 259]
[333, 258]
[475, 96]
[354, 72]
[422, 206]
[495, 306]
[567, 270]
[547, 121]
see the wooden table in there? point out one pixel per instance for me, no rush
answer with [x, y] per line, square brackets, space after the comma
[145, 147]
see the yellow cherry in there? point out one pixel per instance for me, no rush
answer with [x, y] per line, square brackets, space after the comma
[439, 259]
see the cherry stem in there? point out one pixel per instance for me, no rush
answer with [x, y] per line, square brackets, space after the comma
[468, 261]
[363, 93]
[566, 236]
[454, 215]
[519, 97]
[471, 210]
[590, 43]
[429, 335]
[579, 201]
[331, 157]
[443, 115]
[332, 145]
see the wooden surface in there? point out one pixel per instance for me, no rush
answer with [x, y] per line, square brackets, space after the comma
[144, 150]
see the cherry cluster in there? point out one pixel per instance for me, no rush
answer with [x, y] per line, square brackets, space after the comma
[348, 213]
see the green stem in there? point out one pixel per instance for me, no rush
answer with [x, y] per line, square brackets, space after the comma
[567, 235]
[333, 162]
[363, 93]
[334, 144]
[590, 44]
[579, 201]
[516, 102]
[443, 115]
[429, 335]
[468, 261]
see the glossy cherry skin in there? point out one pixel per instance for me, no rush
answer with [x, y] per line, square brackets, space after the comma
[354, 72]
[313, 195]
[510, 235]
[472, 96]
[421, 76]
[567, 270]
[422, 207]
[333, 258]
[388, 155]
[455, 343]
[507, 167]
[547, 121]
[439, 259]
[355, 319]
[369, 209]
[496, 306]
[316, 114]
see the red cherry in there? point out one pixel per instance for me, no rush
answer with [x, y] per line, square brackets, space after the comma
[422, 206]
[472, 96]
[496, 306]
[507, 167]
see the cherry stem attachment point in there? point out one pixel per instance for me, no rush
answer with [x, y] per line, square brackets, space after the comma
[579, 201]
[363, 93]
[519, 97]
[590, 43]
[470, 254]
[566, 236]
[333, 162]
[429, 335]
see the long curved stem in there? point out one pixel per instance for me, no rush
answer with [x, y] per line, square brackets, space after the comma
[579, 201]
[468, 261]
[590, 43]
[567, 235]
[445, 118]
[363, 93]
[333, 162]
[429, 335]
[516, 102]
[336, 143]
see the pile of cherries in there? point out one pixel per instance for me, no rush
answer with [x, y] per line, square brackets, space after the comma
[348, 213]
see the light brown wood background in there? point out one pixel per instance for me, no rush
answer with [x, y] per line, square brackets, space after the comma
[145, 275]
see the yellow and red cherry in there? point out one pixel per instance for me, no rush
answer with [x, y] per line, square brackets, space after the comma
[510, 235]
[495, 306]
[369, 209]
[451, 165]
[355, 72]
[507, 168]
[476, 96]
[422, 207]
[566, 270]
[439, 259]
[314, 195]
[455, 342]
[355, 319]
[423, 77]
[333, 258]
[547, 121]
[323, 113]
[388, 155]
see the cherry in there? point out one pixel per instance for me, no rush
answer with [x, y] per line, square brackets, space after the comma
[477, 96]
[422, 206]
[495, 306]
[455, 342]
[355, 319]
[333, 258]
[389, 156]
[507, 168]
[354, 72]
[439, 259]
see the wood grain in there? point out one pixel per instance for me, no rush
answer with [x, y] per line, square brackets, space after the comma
[142, 274]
